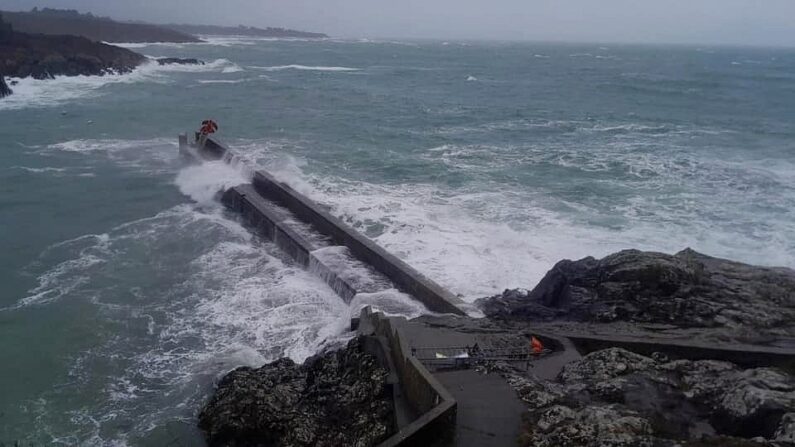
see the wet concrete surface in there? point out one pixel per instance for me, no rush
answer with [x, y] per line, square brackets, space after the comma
[489, 412]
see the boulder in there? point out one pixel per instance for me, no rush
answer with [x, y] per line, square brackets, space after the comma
[334, 399]
[5, 90]
[786, 429]
[687, 289]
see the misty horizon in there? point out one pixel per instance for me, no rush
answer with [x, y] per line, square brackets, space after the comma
[708, 22]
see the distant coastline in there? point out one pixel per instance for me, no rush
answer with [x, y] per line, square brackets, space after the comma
[99, 29]
[244, 31]
[44, 43]
[103, 29]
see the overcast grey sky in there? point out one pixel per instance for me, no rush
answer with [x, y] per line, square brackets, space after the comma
[751, 22]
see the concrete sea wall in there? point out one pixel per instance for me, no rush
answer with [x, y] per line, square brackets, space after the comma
[435, 406]
[244, 199]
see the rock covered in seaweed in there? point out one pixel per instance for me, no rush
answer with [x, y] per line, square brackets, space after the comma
[688, 289]
[334, 399]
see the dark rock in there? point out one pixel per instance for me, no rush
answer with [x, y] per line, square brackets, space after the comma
[5, 90]
[617, 398]
[786, 429]
[98, 29]
[688, 289]
[179, 61]
[43, 57]
[334, 399]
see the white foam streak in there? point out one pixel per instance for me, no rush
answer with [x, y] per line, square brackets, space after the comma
[29, 92]
[223, 81]
[304, 68]
[157, 155]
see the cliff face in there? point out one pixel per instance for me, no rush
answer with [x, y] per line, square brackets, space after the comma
[42, 57]
[58, 22]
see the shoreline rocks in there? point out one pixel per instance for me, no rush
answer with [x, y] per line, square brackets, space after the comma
[333, 399]
[44, 57]
[619, 398]
[5, 90]
[686, 290]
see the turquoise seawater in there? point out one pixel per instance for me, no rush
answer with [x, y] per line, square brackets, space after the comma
[125, 289]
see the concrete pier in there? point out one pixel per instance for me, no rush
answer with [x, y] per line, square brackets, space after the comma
[259, 203]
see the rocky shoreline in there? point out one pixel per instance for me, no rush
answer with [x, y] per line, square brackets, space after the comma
[334, 399]
[42, 56]
[616, 397]
[606, 397]
[688, 290]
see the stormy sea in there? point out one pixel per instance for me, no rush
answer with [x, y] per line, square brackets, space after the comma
[127, 289]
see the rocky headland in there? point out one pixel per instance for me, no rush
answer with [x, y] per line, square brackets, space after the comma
[601, 397]
[98, 29]
[43, 56]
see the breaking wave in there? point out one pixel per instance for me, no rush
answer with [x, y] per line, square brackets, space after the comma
[29, 92]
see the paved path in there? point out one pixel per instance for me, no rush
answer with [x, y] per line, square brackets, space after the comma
[489, 412]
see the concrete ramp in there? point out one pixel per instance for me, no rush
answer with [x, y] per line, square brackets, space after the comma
[346, 260]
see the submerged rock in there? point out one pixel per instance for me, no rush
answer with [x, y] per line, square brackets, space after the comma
[334, 399]
[615, 397]
[179, 61]
[688, 289]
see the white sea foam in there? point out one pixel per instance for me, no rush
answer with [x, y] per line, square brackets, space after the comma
[204, 181]
[471, 78]
[304, 67]
[44, 170]
[29, 92]
[225, 299]
[479, 241]
[223, 81]
[391, 302]
[157, 155]
[138, 45]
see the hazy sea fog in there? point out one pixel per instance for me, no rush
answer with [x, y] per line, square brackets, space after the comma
[126, 289]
